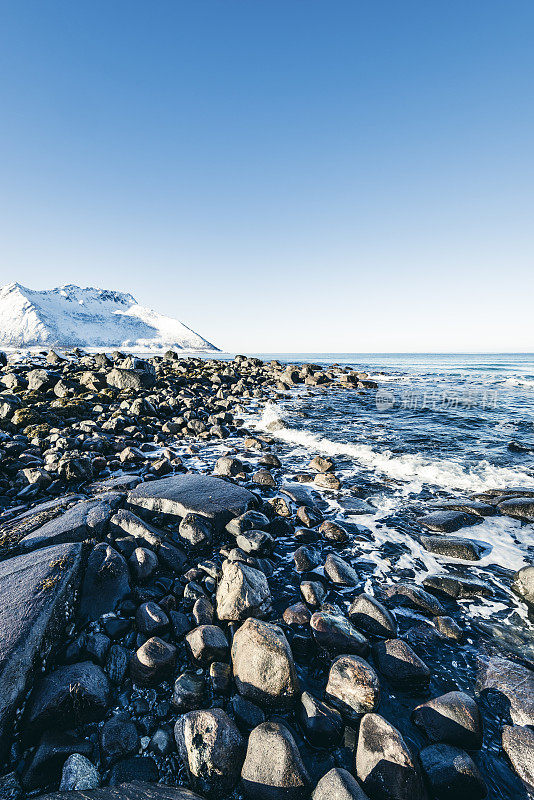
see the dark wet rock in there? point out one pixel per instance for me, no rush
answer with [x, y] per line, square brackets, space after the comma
[82, 521]
[153, 662]
[195, 530]
[256, 542]
[50, 754]
[298, 493]
[339, 572]
[207, 643]
[281, 776]
[309, 517]
[36, 593]
[132, 769]
[333, 531]
[337, 635]
[171, 557]
[313, 592]
[212, 750]
[520, 507]
[242, 592]
[123, 521]
[129, 379]
[203, 611]
[354, 506]
[297, 616]
[151, 619]
[511, 683]
[327, 480]
[353, 687]
[452, 718]
[453, 547]
[306, 559]
[523, 584]
[79, 774]
[469, 507]
[451, 773]
[180, 495]
[188, 691]
[228, 467]
[518, 744]
[118, 738]
[369, 615]
[384, 764]
[338, 784]
[250, 520]
[143, 563]
[415, 597]
[401, 665]
[68, 696]
[456, 587]
[447, 521]
[117, 663]
[321, 724]
[10, 788]
[106, 582]
[220, 677]
[263, 666]
[449, 628]
[136, 790]
[263, 478]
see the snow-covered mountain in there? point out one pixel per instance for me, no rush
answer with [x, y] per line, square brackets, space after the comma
[70, 316]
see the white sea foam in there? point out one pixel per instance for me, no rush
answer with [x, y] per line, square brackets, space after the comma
[413, 469]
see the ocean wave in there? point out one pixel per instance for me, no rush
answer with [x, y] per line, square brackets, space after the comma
[415, 470]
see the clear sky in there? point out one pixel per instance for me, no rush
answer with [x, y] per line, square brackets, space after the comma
[281, 175]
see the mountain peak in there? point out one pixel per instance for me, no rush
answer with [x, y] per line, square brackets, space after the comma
[72, 316]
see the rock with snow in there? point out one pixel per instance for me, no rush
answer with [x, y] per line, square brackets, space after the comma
[71, 316]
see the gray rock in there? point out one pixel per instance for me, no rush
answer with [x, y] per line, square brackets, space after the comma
[321, 724]
[211, 749]
[518, 744]
[353, 687]
[129, 379]
[337, 635]
[124, 522]
[456, 587]
[10, 788]
[136, 790]
[118, 738]
[143, 563]
[189, 688]
[448, 521]
[242, 592]
[339, 572]
[263, 666]
[207, 643]
[78, 773]
[279, 776]
[106, 582]
[520, 507]
[401, 665]
[451, 773]
[338, 784]
[512, 682]
[415, 597]
[82, 521]
[195, 530]
[36, 592]
[179, 495]
[369, 615]
[384, 764]
[523, 584]
[153, 662]
[49, 756]
[453, 547]
[68, 696]
[452, 718]
[150, 619]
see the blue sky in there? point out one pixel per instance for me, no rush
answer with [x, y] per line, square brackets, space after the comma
[296, 175]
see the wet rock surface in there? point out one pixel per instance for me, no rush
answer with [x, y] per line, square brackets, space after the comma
[192, 608]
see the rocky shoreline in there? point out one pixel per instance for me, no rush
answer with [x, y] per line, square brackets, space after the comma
[183, 616]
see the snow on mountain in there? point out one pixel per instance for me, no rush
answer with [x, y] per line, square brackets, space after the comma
[70, 316]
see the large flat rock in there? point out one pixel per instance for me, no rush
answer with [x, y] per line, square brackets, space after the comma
[14, 529]
[35, 590]
[128, 791]
[78, 523]
[179, 495]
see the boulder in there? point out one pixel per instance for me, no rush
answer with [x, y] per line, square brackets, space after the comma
[415, 597]
[136, 790]
[453, 718]
[211, 749]
[520, 507]
[153, 662]
[338, 784]
[453, 547]
[78, 773]
[451, 773]
[518, 744]
[369, 615]
[321, 724]
[456, 587]
[512, 683]
[523, 584]
[401, 665]
[106, 583]
[179, 495]
[384, 765]
[82, 521]
[242, 592]
[273, 768]
[337, 635]
[36, 592]
[353, 687]
[68, 696]
[207, 643]
[339, 572]
[448, 521]
[263, 666]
